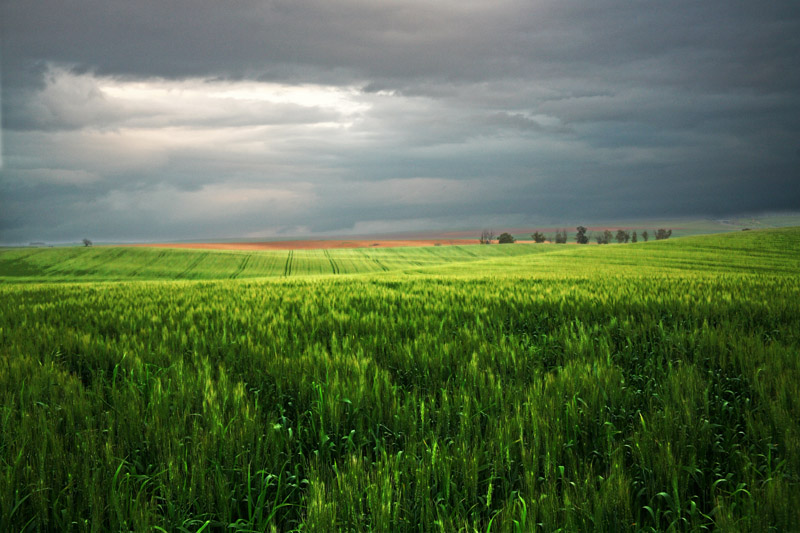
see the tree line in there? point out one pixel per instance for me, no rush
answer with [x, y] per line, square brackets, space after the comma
[581, 236]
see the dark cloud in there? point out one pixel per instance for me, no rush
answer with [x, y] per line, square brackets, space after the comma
[746, 45]
[190, 118]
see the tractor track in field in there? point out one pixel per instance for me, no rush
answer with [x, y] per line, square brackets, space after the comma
[241, 267]
[381, 265]
[287, 268]
[155, 259]
[192, 265]
[334, 266]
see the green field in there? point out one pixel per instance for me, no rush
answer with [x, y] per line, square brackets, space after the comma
[641, 387]
[126, 263]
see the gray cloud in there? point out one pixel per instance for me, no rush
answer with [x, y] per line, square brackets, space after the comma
[187, 119]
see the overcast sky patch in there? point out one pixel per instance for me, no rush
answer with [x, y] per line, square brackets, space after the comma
[196, 120]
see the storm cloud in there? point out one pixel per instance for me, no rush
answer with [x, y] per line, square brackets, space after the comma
[202, 119]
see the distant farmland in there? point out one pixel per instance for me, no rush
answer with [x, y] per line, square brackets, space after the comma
[133, 263]
[640, 387]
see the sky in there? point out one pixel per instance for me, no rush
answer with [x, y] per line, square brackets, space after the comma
[201, 119]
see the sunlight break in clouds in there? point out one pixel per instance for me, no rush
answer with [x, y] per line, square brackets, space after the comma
[194, 95]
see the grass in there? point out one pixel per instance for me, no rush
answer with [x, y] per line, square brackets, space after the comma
[647, 387]
[128, 263]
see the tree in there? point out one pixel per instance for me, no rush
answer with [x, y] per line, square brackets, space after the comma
[505, 238]
[87, 242]
[604, 238]
[634, 238]
[662, 234]
[645, 236]
[581, 237]
[538, 237]
[561, 236]
[623, 236]
[487, 237]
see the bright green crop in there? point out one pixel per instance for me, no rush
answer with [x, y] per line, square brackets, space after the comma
[488, 388]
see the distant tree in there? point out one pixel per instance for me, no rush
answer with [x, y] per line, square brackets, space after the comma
[662, 234]
[581, 237]
[634, 238]
[538, 237]
[505, 238]
[561, 236]
[599, 238]
[645, 236]
[87, 242]
[607, 236]
[623, 236]
[487, 237]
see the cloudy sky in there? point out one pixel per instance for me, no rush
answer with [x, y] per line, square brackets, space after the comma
[192, 119]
